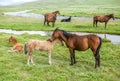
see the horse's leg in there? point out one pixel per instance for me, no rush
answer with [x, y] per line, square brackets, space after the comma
[96, 23]
[71, 56]
[28, 60]
[44, 20]
[49, 57]
[31, 59]
[74, 56]
[48, 23]
[96, 58]
[93, 23]
[105, 24]
[53, 24]
[96, 54]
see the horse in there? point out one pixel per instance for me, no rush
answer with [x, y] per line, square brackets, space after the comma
[79, 42]
[66, 20]
[104, 18]
[17, 47]
[50, 17]
[46, 45]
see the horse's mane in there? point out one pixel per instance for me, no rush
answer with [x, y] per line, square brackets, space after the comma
[66, 34]
[109, 15]
[49, 40]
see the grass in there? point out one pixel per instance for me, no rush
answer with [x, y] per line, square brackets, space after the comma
[21, 23]
[76, 8]
[13, 65]
[69, 7]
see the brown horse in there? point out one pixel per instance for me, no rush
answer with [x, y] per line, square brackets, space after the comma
[50, 17]
[102, 19]
[79, 42]
[17, 46]
[46, 45]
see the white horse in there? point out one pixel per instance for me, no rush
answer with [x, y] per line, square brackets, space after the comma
[46, 45]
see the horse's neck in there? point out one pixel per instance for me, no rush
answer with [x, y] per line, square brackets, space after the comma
[64, 38]
[109, 17]
[55, 13]
[54, 42]
[15, 41]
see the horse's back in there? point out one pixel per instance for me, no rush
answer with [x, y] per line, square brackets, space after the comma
[18, 47]
[50, 17]
[83, 42]
[100, 18]
[39, 44]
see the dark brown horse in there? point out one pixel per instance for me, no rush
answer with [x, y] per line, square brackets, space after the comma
[102, 19]
[79, 42]
[50, 17]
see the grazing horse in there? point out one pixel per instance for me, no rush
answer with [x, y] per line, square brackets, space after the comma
[102, 19]
[46, 45]
[50, 17]
[66, 20]
[17, 46]
[79, 42]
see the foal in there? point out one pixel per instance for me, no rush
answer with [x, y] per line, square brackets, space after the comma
[46, 45]
[17, 47]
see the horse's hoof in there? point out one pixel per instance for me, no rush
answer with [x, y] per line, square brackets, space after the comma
[50, 63]
[75, 62]
[71, 64]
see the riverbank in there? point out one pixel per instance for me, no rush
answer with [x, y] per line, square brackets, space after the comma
[80, 25]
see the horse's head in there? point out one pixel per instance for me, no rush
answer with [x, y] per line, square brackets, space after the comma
[59, 41]
[112, 16]
[11, 39]
[57, 12]
[56, 34]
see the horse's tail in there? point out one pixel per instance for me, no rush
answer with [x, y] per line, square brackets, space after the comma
[99, 44]
[94, 21]
[25, 48]
[44, 19]
[97, 55]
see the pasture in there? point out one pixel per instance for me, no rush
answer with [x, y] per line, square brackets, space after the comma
[13, 66]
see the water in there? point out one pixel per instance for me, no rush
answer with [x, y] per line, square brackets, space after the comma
[33, 15]
[114, 38]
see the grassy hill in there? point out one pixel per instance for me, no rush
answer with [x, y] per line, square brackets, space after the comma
[70, 7]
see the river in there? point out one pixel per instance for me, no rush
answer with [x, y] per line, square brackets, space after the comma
[113, 38]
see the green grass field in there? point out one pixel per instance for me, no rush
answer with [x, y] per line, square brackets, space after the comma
[13, 66]
[70, 7]
[76, 8]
